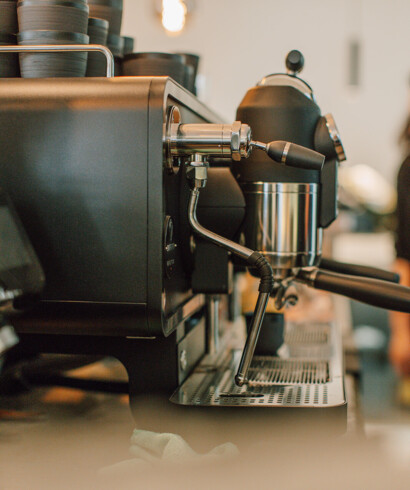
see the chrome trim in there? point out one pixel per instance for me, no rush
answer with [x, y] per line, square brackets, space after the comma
[184, 312]
[233, 247]
[286, 80]
[173, 117]
[276, 187]
[49, 48]
[285, 152]
[335, 137]
[213, 302]
[211, 140]
[247, 355]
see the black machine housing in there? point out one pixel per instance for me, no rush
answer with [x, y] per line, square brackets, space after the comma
[84, 164]
[287, 110]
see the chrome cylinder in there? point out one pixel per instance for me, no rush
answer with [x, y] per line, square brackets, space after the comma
[281, 223]
[213, 323]
[212, 140]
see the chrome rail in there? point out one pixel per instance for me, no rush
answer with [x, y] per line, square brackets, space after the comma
[49, 48]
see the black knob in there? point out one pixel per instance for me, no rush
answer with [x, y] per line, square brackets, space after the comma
[295, 61]
[295, 155]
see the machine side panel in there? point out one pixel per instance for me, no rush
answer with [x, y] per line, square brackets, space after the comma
[74, 160]
[168, 298]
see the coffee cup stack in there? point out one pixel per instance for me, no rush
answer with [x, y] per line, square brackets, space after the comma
[111, 11]
[9, 66]
[98, 34]
[182, 67]
[53, 22]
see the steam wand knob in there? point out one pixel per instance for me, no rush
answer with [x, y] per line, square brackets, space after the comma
[291, 154]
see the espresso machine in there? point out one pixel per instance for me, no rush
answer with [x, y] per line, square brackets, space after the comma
[141, 205]
[290, 193]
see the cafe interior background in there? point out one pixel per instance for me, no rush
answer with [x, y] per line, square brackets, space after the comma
[357, 62]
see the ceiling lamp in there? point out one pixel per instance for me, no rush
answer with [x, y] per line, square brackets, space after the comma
[174, 14]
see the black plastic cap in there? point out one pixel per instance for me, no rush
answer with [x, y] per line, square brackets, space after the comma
[295, 61]
[295, 155]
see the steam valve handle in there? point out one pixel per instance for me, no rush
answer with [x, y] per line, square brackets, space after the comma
[292, 155]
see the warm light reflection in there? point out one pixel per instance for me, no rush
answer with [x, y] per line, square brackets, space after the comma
[173, 15]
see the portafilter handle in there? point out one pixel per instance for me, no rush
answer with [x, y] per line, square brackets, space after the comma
[358, 270]
[374, 292]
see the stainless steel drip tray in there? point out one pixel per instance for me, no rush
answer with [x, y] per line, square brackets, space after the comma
[307, 374]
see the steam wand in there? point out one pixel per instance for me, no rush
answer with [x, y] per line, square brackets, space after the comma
[197, 175]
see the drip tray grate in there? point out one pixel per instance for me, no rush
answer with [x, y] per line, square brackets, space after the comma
[274, 371]
[307, 334]
[308, 340]
[310, 374]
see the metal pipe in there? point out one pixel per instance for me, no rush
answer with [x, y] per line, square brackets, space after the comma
[49, 48]
[210, 140]
[252, 339]
[265, 287]
[233, 247]
[213, 324]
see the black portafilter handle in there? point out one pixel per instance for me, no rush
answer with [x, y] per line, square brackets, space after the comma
[292, 155]
[359, 270]
[371, 291]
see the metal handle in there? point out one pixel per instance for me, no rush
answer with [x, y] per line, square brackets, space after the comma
[370, 291]
[359, 270]
[49, 48]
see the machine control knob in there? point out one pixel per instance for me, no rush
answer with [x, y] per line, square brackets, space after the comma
[295, 62]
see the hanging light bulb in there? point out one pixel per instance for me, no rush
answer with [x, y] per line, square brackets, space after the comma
[173, 15]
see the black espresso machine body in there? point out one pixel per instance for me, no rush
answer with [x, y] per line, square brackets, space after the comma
[83, 163]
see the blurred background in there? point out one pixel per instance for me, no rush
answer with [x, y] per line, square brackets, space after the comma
[356, 52]
[357, 62]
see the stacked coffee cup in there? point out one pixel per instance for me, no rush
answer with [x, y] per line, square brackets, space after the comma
[111, 11]
[9, 66]
[53, 22]
[98, 33]
[182, 67]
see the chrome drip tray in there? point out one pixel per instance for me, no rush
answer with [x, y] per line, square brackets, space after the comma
[268, 371]
[308, 373]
